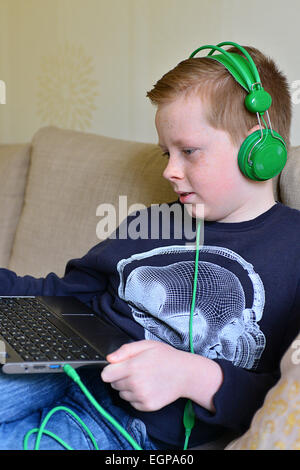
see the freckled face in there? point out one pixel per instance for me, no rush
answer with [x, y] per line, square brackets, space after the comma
[202, 161]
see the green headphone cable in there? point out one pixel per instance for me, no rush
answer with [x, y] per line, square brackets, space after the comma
[188, 414]
[194, 286]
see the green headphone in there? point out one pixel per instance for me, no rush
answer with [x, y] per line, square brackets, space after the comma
[263, 153]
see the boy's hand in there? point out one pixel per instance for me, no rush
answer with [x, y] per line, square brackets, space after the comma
[152, 374]
[146, 373]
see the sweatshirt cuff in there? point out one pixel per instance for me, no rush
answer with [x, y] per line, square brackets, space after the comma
[240, 395]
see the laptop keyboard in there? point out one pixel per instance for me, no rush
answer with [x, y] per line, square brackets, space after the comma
[36, 334]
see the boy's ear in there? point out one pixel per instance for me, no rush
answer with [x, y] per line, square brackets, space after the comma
[253, 129]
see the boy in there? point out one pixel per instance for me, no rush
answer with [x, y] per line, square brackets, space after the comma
[248, 292]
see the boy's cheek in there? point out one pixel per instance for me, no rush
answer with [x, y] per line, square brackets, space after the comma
[228, 180]
[218, 187]
[218, 197]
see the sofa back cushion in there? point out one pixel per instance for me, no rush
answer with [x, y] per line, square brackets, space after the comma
[290, 179]
[71, 174]
[14, 163]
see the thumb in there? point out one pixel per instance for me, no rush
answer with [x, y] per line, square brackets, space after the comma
[128, 350]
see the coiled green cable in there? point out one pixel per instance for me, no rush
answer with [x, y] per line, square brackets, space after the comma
[40, 431]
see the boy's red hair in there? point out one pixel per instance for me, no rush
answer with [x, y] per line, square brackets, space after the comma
[224, 97]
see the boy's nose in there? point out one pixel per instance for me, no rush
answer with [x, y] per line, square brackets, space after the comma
[173, 170]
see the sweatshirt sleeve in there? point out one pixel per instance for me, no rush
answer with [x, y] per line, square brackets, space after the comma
[243, 391]
[82, 279]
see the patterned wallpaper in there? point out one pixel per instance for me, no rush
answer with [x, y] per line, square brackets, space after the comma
[67, 88]
[87, 64]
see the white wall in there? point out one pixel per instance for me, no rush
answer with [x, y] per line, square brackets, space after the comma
[87, 64]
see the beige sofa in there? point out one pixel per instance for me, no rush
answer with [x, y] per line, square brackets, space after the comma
[50, 190]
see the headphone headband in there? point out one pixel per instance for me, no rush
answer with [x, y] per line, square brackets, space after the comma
[244, 71]
[246, 53]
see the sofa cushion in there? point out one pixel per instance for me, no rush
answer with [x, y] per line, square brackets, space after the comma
[71, 174]
[14, 163]
[276, 425]
[290, 178]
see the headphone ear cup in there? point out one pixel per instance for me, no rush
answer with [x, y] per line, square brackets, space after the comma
[268, 155]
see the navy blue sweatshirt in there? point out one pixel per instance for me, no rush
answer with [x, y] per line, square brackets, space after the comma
[247, 308]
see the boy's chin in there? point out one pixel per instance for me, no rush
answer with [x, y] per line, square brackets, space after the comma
[195, 210]
[202, 211]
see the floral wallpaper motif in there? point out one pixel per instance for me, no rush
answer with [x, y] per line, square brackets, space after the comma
[67, 89]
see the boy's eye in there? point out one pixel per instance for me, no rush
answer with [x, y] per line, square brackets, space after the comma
[166, 154]
[189, 151]
[184, 151]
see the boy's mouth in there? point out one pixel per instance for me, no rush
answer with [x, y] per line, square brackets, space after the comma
[184, 196]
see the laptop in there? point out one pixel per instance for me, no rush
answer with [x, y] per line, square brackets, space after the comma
[41, 334]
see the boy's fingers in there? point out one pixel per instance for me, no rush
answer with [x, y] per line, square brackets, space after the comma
[128, 350]
[113, 372]
[117, 369]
